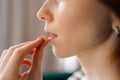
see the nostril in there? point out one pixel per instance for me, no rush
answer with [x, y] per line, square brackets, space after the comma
[44, 15]
[42, 18]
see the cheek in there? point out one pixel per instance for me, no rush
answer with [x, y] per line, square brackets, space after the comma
[66, 14]
[75, 39]
[79, 30]
[65, 43]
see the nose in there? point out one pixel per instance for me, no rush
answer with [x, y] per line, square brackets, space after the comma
[44, 13]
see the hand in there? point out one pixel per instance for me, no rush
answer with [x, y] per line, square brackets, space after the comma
[13, 59]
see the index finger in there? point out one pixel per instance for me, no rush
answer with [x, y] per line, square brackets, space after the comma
[18, 56]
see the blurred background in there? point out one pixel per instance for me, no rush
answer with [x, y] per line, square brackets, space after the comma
[18, 23]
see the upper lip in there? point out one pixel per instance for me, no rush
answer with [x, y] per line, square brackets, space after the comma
[50, 33]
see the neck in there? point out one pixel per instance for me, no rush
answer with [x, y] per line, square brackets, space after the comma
[96, 63]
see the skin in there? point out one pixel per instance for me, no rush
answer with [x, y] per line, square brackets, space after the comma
[69, 18]
[12, 60]
[85, 28]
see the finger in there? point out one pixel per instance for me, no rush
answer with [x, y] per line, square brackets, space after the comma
[27, 62]
[36, 70]
[11, 49]
[3, 54]
[18, 55]
[24, 75]
[37, 60]
[9, 53]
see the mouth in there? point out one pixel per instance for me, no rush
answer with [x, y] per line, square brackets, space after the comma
[52, 36]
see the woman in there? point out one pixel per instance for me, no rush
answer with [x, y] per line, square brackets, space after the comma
[85, 28]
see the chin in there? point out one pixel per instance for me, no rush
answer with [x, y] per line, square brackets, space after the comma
[61, 53]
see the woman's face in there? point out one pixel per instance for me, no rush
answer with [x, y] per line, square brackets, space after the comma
[80, 25]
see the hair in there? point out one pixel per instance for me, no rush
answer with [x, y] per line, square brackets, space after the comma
[113, 5]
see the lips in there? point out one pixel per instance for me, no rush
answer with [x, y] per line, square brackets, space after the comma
[52, 35]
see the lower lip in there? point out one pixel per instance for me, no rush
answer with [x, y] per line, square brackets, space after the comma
[51, 39]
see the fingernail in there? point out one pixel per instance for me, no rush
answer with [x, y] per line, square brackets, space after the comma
[41, 37]
[33, 51]
[49, 39]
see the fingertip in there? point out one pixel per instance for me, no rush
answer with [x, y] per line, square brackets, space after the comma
[43, 37]
[27, 62]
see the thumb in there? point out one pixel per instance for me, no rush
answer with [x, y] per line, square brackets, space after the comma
[36, 69]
